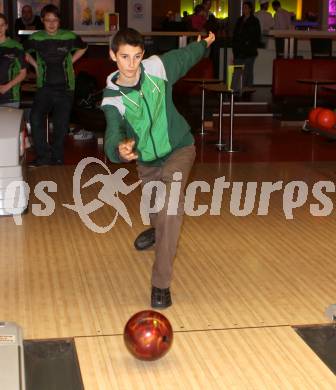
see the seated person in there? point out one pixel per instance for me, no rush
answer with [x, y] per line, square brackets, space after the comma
[172, 22]
[198, 19]
[168, 20]
[28, 21]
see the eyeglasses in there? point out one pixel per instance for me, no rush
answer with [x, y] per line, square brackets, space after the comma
[50, 20]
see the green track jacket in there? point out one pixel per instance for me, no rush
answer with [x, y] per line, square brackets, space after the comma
[148, 115]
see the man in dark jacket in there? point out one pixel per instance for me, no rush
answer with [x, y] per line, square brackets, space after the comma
[245, 42]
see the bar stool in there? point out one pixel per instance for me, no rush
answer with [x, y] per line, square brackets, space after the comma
[227, 89]
[203, 83]
[316, 83]
[222, 89]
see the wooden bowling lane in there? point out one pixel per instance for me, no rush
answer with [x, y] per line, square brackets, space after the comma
[61, 280]
[239, 283]
[260, 358]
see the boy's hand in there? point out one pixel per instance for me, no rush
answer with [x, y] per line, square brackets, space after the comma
[126, 150]
[4, 88]
[210, 38]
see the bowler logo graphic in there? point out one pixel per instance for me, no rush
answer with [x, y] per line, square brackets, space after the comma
[156, 197]
[113, 184]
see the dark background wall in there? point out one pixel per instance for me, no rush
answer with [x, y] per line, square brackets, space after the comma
[310, 5]
[160, 9]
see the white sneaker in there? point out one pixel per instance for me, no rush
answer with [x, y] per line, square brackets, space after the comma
[28, 144]
[83, 135]
[28, 127]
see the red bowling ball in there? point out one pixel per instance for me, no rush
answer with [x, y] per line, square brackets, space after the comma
[312, 117]
[148, 335]
[325, 119]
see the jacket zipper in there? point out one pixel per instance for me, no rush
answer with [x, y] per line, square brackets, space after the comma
[151, 123]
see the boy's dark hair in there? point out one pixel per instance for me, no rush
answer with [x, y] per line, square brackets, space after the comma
[4, 17]
[250, 5]
[276, 3]
[198, 9]
[127, 36]
[50, 9]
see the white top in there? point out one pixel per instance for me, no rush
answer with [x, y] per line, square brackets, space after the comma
[282, 19]
[10, 127]
[265, 19]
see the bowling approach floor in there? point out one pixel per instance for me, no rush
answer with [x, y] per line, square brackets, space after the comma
[240, 283]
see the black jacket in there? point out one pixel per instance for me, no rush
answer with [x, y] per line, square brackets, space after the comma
[246, 37]
[19, 25]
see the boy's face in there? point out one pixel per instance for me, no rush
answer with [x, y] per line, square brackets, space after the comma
[128, 60]
[51, 23]
[27, 12]
[3, 28]
[207, 5]
[246, 10]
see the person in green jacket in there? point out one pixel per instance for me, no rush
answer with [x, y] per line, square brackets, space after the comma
[13, 67]
[144, 125]
[56, 51]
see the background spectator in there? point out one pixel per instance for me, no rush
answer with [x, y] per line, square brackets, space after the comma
[168, 20]
[198, 19]
[265, 18]
[12, 67]
[27, 21]
[245, 42]
[282, 17]
[56, 51]
[207, 6]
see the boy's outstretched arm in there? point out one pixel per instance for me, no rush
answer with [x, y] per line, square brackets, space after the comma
[209, 39]
[178, 62]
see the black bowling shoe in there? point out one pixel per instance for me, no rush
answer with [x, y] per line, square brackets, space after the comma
[145, 239]
[160, 298]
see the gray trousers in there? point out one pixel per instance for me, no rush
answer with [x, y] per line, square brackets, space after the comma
[167, 227]
[248, 73]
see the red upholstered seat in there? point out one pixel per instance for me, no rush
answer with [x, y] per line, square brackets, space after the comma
[203, 69]
[100, 68]
[285, 75]
[286, 72]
